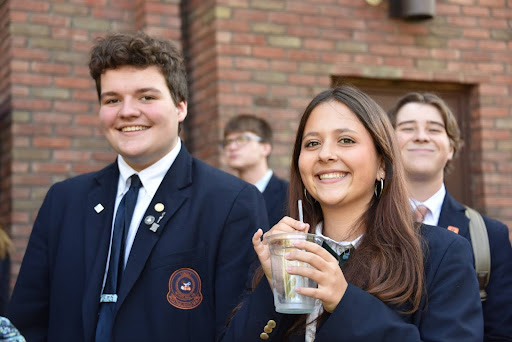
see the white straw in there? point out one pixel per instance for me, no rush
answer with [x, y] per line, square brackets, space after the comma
[301, 215]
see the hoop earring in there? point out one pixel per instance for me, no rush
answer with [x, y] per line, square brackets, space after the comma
[306, 196]
[379, 188]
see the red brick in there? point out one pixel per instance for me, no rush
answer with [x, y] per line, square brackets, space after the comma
[30, 54]
[461, 21]
[476, 33]
[50, 68]
[31, 104]
[73, 131]
[31, 180]
[284, 66]
[268, 52]
[476, 11]
[250, 15]
[492, 3]
[334, 58]
[251, 88]
[303, 55]
[52, 142]
[51, 168]
[234, 50]
[303, 8]
[31, 129]
[30, 6]
[52, 117]
[50, 19]
[31, 79]
[251, 39]
[73, 82]
[18, 16]
[69, 155]
[303, 31]
[493, 45]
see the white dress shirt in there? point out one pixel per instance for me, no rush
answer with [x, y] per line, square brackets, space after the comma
[433, 204]
[263, 182]
[150, 177]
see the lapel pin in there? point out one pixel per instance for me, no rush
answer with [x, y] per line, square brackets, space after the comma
[154, 227]
[161, 217]
[453, 229]
[149, 219]
[159, 207]
[99, 208]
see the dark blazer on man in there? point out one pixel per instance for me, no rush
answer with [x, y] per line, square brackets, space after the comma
[498, 306]
[449, 312]
[180, 282]
[276, 199]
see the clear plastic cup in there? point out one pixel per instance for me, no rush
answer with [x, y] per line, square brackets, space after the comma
[286, 300]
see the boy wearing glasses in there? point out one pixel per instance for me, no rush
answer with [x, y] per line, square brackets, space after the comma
[247, 146]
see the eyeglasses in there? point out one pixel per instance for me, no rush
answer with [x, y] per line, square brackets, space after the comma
[240, 140]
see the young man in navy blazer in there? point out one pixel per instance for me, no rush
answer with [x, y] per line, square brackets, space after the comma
[188, 246]
[429, 139]
[247, 146]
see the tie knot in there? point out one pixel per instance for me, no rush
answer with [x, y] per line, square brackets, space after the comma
[420, 212]
[136, 183]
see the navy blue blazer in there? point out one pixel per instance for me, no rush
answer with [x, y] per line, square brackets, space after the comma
[179, 283]
[276, 199]
[450, 310]
[498, 306]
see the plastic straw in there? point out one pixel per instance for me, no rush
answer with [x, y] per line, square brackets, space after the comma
[301, 215]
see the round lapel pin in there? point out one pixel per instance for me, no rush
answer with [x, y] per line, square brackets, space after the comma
[159, 207]
[149, 220]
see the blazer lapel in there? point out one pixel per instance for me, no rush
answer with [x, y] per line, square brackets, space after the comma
[97, 228]
[453, 214]
[166, 202]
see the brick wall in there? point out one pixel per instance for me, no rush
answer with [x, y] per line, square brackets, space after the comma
[264, 57]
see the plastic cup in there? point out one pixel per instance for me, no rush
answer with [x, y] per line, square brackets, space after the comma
[286, 300]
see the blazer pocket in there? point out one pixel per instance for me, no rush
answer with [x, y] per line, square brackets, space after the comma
[183, 258]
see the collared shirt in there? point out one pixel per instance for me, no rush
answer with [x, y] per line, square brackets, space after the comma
[263, 182]
[339, 247]
[150, 177]
[433, 204]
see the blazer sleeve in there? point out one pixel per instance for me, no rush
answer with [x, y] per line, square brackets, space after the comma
[451, 309]
[29, 305]
[236, 254]
[498, 306]
[255, 312]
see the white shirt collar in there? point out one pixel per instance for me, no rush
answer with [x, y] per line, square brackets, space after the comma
[150, 177]
[263, 182]
[434, 205]
[337, 246]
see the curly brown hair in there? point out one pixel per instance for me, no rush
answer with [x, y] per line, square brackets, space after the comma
[140, 50]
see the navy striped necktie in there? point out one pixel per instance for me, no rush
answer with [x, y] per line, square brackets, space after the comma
[116, 263]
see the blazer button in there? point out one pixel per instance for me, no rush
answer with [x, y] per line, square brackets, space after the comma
[267, 329]
[264, 336]
[271, 323]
